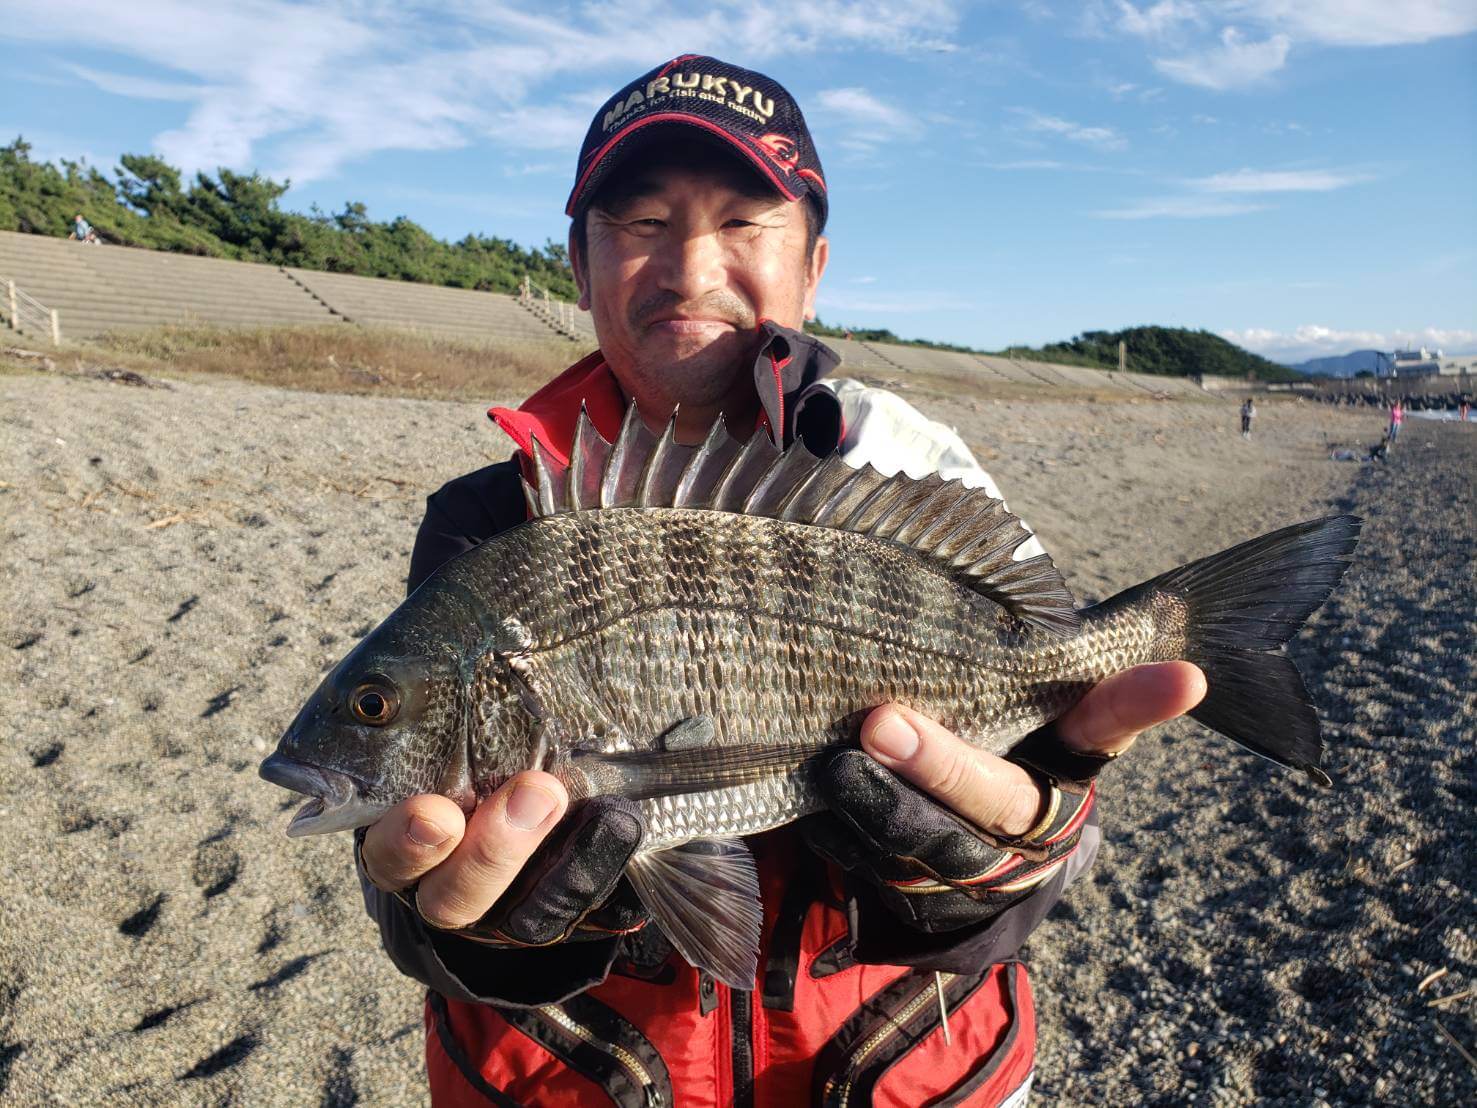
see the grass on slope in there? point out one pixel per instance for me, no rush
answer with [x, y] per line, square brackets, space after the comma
[333, 359]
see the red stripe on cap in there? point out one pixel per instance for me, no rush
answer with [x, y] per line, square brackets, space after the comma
[812, 175]
[662, 72]
[678, 117]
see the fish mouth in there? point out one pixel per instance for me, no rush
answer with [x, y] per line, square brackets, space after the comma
[336, 801]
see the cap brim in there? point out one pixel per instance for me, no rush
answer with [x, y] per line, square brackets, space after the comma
[609, 155]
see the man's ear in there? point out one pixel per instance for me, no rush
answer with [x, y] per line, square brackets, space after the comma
[581, 274]
[814, 271]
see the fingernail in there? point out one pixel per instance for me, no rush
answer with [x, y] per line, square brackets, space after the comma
[894, 739]
[529, 806]
[423, 832]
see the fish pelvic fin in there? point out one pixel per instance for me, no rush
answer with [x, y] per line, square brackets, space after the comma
[1233, 613]
[704, 895]
[963, 532]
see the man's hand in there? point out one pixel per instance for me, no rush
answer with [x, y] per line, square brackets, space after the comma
[1000, 796]
[512, 855]
[942, 845]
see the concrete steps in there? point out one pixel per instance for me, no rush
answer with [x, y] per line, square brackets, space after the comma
[431, 308]
[104, 288]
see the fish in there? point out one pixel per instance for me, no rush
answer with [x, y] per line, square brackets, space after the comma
[693, 626]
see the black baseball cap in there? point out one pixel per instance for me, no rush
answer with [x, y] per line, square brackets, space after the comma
[739, 107]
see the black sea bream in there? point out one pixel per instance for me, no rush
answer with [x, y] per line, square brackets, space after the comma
[689, 627]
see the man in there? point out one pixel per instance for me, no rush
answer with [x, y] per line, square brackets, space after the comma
[697, 210]
[1248, 413]
[82, 230]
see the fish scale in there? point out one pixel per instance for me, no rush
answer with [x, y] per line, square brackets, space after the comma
[725, 614]
[789, 659]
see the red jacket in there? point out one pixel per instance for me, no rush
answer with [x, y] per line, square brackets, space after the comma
[847, 1007]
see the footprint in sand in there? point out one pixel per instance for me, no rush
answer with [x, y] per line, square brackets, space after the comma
[142, 921]
[216, 867]
[234, 1052]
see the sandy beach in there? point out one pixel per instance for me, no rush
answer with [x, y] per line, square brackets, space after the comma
[182, 563]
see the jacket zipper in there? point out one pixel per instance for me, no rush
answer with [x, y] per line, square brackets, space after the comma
[894, 1026]
[741, 1007]
[627, 1060]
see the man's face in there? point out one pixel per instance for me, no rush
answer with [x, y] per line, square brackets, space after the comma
[682, 262]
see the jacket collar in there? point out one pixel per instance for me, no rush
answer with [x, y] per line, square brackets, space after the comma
[787, 363]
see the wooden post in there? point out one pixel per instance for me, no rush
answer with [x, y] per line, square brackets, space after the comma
[15, 323]
[56, 328]
[1122, 355]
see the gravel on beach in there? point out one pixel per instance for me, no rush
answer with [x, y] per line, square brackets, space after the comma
[183, 562]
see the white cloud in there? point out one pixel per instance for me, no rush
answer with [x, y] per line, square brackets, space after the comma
[140, 88]
[1101, 138]
[1316, 341]
[1327, 22]
[299, 90]
[1238, 58]
[861, 108]
[1156, 20]
[1180, 207]
[1361, 22]
[1278, 180]
[1238, 62]
[1233, 193]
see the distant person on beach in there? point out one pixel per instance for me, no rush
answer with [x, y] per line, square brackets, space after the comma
[696, 242]
[82, 230]
[1463, 410]
[1248, 413]
[1397, 417]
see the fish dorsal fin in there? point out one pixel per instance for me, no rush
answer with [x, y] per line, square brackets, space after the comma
[966, 532]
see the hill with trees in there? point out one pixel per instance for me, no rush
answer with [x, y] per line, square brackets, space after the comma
[1166, 351]
[235, 215]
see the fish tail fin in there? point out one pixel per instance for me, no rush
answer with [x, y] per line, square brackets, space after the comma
[1236, 611]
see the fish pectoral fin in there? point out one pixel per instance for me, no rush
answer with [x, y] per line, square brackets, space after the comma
[704, 895]
[643, 774]
[692, 732]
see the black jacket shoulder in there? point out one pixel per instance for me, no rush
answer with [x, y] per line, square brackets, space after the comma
[464, 513]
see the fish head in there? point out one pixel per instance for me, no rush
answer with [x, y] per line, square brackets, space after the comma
[387, 722]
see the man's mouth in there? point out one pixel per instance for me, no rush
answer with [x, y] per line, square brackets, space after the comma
[687, 326]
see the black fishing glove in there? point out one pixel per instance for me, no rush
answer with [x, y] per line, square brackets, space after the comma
[933, 869]
[571, 889]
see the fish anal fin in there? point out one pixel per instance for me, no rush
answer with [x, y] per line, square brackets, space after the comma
[704, 895]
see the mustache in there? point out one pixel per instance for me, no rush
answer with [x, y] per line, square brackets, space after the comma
[719, 304]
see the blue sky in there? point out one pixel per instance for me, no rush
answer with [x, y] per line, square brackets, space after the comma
[1298, 175]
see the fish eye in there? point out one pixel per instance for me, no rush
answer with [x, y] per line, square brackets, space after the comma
[374, 703]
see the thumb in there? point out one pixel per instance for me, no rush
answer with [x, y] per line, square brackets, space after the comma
[995, 795]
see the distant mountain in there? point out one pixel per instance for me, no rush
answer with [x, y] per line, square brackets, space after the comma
[1167, 351]
[1341, 365]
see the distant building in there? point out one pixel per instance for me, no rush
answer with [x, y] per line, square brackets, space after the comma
[1411, 363]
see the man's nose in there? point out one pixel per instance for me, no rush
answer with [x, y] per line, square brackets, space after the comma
[693, 265]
